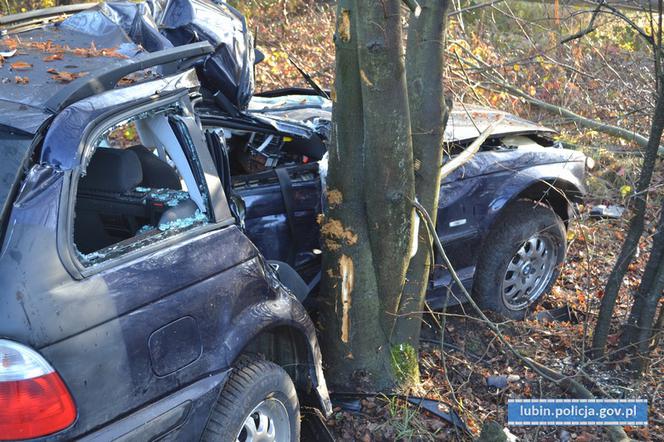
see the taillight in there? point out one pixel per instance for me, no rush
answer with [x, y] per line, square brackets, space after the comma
[34, 401]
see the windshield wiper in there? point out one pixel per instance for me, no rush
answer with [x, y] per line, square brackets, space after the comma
[309, 80]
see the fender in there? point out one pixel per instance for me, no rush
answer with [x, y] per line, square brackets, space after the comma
[559, 177]
[284, 310]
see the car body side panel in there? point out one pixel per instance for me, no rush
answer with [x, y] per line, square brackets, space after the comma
[469, 207]
[96, 331]
[175, 417]
[123, 348]
[79, 305]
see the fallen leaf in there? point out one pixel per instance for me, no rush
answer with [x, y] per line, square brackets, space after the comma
[53, 57]
[112, 53]
[11, 43]
[613, 339]
[126, 81]
[64, 76]
[20, 66]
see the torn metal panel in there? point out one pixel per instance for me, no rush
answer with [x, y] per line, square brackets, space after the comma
[468, 122]
[138, 23]
[230, 69]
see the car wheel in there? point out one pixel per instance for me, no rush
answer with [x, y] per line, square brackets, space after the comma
[258, 403]
[520, 260]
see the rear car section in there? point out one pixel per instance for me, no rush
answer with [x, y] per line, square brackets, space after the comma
[131, 294]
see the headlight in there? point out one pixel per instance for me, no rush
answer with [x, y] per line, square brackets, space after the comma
[590, 163]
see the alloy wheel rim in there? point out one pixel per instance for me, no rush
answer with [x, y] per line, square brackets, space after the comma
[529, 271]
[268, 422]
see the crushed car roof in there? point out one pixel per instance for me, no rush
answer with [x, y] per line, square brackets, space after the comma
[40, 62]
[43, 52]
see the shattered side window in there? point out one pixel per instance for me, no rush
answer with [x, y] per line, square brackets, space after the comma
[137, 188]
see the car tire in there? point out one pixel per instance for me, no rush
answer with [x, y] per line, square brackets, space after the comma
[520, 260]
[259, 396]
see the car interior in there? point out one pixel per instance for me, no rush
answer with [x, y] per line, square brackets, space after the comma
[135, 186]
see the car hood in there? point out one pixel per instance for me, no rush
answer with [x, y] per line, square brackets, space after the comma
[465, 122]
[468, 122]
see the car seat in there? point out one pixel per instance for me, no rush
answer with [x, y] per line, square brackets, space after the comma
[157, 174]
[106, 206]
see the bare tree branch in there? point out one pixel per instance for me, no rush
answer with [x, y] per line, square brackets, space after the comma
[589, 29]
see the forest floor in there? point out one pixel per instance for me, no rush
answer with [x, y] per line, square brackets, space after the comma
[607, 76]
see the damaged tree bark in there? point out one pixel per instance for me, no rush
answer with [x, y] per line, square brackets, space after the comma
[352, 335]
[368, 227]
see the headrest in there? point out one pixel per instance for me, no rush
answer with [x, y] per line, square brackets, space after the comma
[112, 170]
[157, 174]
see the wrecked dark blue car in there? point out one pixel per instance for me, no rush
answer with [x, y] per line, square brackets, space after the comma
[144, 185]
[502, 216]
[133, 305]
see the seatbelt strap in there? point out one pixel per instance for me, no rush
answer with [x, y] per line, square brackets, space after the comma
[287, 195]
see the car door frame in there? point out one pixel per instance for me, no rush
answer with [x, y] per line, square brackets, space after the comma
[66, 246]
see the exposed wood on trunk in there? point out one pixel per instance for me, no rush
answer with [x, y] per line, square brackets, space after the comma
[351, 324]
[347, 274]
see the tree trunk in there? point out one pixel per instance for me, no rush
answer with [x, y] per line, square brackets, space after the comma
[352, 338]
[389, 184]
[634, 233]
[368, 227]
[658, 329]
[630, 329]
[428, 113]
[646, 319]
